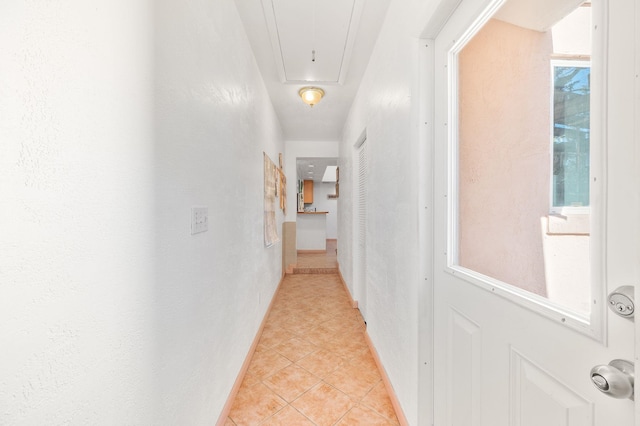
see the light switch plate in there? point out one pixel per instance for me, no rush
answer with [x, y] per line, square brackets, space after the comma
[199, 219]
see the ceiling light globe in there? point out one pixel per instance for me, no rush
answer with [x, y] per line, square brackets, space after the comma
[311, 95]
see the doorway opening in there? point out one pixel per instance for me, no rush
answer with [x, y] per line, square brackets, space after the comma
[317, 205]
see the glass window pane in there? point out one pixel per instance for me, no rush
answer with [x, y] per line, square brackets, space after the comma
[571, 136]
[523, 148]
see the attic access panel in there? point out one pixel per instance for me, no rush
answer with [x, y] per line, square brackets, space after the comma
[298, 27]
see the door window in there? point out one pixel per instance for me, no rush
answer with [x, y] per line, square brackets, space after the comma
[521, 163]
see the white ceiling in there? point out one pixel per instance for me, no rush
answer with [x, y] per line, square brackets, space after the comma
[284, 33]
[313, 168]
[304, 51]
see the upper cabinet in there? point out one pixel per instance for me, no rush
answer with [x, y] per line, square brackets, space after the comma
[308, 191]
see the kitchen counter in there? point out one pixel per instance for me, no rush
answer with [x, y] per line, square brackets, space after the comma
[311, 231]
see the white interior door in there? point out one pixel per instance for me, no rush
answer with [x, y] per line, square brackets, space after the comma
[521, 287]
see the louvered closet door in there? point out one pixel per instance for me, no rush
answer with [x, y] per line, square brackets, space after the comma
[361, 261]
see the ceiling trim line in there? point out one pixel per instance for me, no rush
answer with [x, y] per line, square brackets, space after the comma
[354, 22]
[269, 12]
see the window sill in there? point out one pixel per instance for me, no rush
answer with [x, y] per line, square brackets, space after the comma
[570, 224]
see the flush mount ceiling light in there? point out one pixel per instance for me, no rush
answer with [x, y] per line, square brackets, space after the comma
[311, 95]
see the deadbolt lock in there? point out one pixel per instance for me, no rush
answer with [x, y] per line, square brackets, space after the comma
[621, 301]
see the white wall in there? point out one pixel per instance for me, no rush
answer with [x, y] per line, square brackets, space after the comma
[386, 107]
[77, 217]
[115, 119]
[214, 120]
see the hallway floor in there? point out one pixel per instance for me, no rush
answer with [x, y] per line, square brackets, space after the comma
[318, 263]
[312, 365]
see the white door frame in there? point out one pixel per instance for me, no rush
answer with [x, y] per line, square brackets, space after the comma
[426, 137]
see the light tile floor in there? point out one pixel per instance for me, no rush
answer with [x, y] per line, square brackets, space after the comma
[322, 263]
[312, 365]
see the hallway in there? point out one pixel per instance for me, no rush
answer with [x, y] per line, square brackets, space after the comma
[312, 365]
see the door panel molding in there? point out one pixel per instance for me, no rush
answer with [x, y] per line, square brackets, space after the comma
[464, 369]
[538, 398]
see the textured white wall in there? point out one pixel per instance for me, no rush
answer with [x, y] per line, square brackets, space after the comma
[115, 119]
[214, 119]
[386, 107]
[77, 216]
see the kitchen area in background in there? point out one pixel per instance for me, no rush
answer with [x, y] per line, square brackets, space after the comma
[317, 193]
